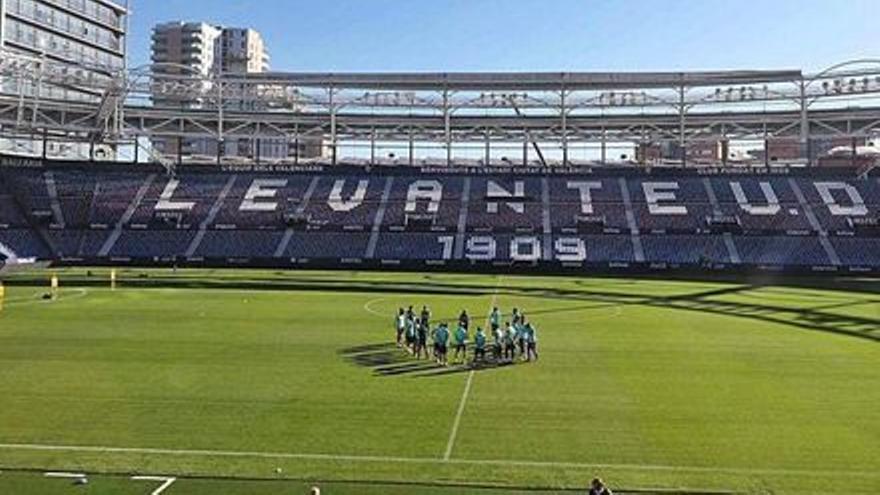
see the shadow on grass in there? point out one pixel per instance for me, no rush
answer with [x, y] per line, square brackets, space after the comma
[258, 484]
[813, 319]
[388, 360]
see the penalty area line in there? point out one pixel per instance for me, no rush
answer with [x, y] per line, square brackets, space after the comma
[431, 460]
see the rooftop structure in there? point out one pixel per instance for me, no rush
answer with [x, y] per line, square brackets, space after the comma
[489, 118]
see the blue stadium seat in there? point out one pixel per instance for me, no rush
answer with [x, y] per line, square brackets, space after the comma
[481, 217]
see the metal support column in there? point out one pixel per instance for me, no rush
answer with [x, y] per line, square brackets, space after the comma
[19, 114]
[682, 123]
[805, 123]
[725, 145]
[333, 135]
[412, 148]
[564, 109]
[725, 149]
[855, 151]
[487, 157]
[296, 144]
[38, 90]
[447, 127]
[220, 116]
[766, 147]
[373, 147]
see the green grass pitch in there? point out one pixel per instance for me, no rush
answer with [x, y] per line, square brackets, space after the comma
[259, 382]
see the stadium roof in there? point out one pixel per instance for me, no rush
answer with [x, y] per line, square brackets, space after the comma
[537, 81]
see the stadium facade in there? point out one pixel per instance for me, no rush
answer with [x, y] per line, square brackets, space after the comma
[573, 219]
[766, 170]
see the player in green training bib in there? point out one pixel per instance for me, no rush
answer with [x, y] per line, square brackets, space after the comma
[510, 343]
[531, 339]
[400, 326]
[521, 335]
[497, 343]
[479, 346]
[494, 319]
[410, 333]
[421, 341]
[461, 338]
[441, 341]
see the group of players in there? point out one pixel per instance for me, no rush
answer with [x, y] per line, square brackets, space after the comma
[515, 338]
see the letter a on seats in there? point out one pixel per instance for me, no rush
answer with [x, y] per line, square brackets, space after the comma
[430, 190]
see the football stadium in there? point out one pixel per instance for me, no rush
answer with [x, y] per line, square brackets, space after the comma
[267, 282]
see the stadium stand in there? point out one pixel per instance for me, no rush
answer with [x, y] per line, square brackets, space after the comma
[685, 249]
[5, 253]
[813, 219]
[344, 203]
[857, 252]
[25, 243]
[152, 244]
[235, 243]
[782, 251]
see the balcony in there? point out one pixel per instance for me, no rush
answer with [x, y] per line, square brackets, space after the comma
[114, 21]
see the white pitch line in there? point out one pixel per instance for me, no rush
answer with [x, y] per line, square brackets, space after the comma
[368, 307]
[166, 482]
[433, 460]
[37, 298]
[618, 312]
[467, 388]
[454, 433]
[64, 475]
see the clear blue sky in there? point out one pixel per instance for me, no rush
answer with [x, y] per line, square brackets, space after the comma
[536, 35]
